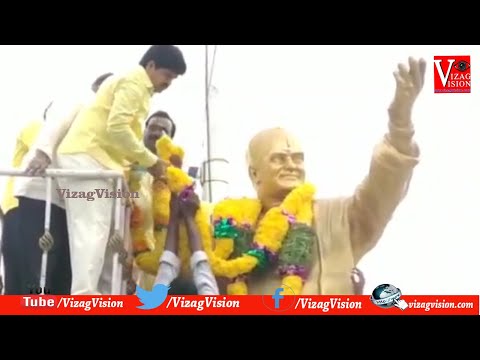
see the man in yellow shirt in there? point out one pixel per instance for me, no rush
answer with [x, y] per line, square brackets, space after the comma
[55, 131]
[11, 248]
[107, 134]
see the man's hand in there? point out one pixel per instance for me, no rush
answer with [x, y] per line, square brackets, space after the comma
[189, 204]
[174, 206]
[176, 161]
[410, 80]
[38, 164]
[158, 170]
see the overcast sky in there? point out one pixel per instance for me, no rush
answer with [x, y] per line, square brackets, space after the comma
[335, 99]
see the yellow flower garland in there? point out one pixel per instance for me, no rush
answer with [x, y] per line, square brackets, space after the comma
[140, 242]
[177, 181]
[269, 236]
[270, 233]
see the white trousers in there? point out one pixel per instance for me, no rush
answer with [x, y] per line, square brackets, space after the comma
[89, 227]
[203, 277]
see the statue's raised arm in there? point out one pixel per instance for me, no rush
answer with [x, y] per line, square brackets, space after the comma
[393, 161]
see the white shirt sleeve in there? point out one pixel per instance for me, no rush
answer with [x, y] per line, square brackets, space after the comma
[60, 118]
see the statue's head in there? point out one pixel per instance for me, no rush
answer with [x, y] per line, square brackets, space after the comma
[275, 163]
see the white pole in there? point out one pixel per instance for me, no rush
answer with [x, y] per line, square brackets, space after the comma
[126, 212]
[46, 241]
[116, 271]
[216, 168]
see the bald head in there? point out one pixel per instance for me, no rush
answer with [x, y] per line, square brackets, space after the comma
[264, 141]
[275, 161]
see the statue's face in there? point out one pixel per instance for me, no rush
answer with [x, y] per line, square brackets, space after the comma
[279, 165]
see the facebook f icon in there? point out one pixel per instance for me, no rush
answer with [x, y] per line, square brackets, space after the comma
[277, 297]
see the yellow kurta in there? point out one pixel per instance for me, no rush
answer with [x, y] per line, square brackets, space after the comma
[109, 129]
[350, 227]
[23, 144]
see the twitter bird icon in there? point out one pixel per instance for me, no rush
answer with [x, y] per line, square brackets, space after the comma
[152, 299]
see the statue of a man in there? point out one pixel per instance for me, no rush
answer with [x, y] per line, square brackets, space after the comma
[344, 229]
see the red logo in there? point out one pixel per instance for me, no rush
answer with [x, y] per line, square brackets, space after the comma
[452, 74]
[282, 299]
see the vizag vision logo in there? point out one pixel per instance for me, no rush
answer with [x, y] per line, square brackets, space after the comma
[387, 296]
[452, 74]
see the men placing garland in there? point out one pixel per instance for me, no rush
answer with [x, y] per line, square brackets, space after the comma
[299, 243]
[183, 209]
[142, 229]
[107, 135]
[171, 243]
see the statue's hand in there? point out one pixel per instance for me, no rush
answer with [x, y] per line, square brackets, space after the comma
[410, 80]
[358, 280]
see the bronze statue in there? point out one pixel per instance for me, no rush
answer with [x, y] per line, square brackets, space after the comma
[288, 238]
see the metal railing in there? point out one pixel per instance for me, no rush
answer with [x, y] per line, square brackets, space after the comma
[116, 241]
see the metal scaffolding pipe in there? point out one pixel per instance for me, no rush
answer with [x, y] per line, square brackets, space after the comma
[81, 174]
[46, 241]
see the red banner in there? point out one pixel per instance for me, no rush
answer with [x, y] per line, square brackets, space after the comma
[237, 305]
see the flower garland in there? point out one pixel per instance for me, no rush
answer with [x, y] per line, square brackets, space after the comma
[283, 236]
[141, 242]
[243, 242]
[178, 182]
